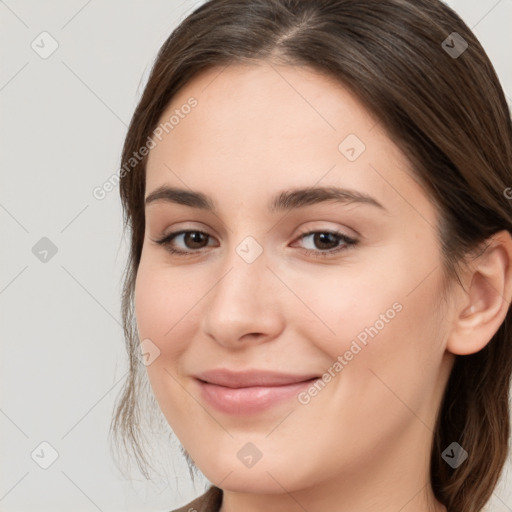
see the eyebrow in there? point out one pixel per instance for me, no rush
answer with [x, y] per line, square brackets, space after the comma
[283, 201]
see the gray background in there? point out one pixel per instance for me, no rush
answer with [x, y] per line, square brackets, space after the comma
[62, 127]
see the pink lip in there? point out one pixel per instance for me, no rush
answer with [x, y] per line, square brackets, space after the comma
[251, 391]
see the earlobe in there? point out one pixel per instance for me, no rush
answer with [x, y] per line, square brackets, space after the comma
[483, 308]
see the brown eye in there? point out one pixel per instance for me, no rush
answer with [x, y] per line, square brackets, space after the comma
[194, 239]
[326, 243]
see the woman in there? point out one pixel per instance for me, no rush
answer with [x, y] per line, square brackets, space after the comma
[319, 277]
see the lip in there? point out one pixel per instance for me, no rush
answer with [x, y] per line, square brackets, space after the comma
[250, 391]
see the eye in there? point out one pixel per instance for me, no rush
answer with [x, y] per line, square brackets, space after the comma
[340, 241]
[195, 240]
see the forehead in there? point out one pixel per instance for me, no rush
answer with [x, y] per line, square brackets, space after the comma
[265, 126]
[253, 106]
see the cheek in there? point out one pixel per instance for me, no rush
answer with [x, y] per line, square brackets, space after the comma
[352, 307]
[384, 319]
[400, 361]
[165, 314]
[150, 304]
[164, 306]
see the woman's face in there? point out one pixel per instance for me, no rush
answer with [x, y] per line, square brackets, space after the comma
[271, 297]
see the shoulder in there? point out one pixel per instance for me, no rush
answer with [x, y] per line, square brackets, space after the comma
[210, 501]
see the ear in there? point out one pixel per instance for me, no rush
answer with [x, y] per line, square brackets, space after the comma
[482, 308]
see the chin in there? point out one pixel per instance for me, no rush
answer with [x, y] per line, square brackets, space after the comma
[265, 477]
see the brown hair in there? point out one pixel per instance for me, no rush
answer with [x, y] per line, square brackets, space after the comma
[446, 112]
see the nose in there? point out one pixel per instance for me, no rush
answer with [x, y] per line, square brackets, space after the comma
[242, 307]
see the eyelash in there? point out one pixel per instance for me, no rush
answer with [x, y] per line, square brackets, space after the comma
[349, 243]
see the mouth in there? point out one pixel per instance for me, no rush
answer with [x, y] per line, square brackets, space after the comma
[250, 392]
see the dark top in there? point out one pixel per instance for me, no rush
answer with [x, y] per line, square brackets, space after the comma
[210, 501]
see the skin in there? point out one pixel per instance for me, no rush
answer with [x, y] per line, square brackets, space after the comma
[363, 442]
